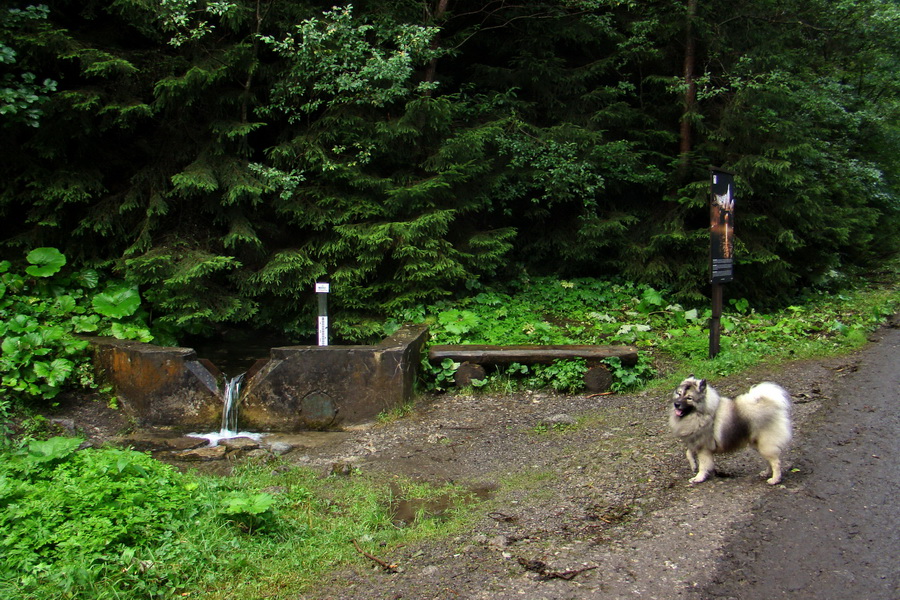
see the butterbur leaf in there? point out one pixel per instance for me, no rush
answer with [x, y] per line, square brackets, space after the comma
[85, 323]
[10, 345]
[52, 449]
[55, 372]
[45, 262]
[89, 278]
[65, 304]
[117, 301]
[254, 504]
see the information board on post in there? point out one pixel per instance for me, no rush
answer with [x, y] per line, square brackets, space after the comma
[721, 226]
[721, 246]
[322, 290]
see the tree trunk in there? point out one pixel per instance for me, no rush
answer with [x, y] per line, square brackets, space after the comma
[690, 92]
[439, 10]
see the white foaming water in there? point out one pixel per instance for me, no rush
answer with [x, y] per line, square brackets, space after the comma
[228, 428]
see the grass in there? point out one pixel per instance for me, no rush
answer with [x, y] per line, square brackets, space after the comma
[267, 531]
[322, 521]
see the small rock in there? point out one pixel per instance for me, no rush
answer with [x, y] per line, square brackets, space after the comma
[343, 469]
[203, 454]
[183, 443]
[430, 570]
[498, 541]
[280, 448]
[258, 454]
[66, 425]
[560, 419]
[243, 444]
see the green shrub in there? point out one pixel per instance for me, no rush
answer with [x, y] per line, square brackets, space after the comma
[593, 311]
[43, 309]
[73, 521]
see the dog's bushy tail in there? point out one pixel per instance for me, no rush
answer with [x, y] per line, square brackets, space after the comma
[769, 393]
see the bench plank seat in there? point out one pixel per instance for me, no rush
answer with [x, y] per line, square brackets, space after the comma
[504, 355]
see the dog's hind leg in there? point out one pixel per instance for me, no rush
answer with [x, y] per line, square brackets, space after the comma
[770, 449]
[705, 467]
[774, 459]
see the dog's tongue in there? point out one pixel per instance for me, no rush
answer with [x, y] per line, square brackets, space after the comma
[678, 412]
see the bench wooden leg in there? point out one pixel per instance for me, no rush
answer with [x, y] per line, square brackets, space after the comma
[467, 372]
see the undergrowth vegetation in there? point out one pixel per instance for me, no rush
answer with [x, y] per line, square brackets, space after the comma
[593, 311]
[111, 523]
[45, 310]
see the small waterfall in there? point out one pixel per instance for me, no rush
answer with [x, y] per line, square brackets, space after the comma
[230, 409]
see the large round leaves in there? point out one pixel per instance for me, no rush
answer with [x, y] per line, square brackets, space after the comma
[45, 262]
[117, 301]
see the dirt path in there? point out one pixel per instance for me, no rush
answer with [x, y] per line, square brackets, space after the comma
[839, 536]
[603, 510]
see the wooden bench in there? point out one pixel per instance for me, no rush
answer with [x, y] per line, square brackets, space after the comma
[473, 356]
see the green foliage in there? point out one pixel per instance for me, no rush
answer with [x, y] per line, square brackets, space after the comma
[249, 512]
[226, 155]
[75, 523]
[335, 61]
[42, 312]
[544, 311]
[22, 97]
[562, 375]
[102, 523]
[45, 262]
[627, 379]
[591, 311]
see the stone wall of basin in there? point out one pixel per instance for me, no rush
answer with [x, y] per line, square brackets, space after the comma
[160, 386]
[319, 387]
[298, 388]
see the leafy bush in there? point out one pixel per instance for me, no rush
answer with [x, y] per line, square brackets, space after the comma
[75, 520]
[43, 309]
[593, 311]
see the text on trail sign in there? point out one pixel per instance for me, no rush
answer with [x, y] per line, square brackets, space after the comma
[721, 226]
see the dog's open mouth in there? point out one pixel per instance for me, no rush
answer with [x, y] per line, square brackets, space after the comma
[681, 409]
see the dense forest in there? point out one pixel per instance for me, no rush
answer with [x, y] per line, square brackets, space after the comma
[225, 155]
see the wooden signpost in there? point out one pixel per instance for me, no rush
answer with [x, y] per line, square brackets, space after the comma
[721, 246]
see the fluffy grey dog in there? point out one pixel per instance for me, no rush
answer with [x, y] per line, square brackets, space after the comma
[711, 424]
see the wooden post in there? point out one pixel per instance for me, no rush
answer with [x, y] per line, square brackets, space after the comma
[715, 322]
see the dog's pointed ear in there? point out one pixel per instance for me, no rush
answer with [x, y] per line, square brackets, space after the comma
[701, 387]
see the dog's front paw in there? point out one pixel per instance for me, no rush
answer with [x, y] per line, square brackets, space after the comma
[700, 478]
[773, 480]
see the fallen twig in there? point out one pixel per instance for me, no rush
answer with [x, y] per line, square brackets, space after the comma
[545, 574]
[600, 394]
[386, 566]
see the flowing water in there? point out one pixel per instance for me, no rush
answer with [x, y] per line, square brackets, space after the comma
[230, 409]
